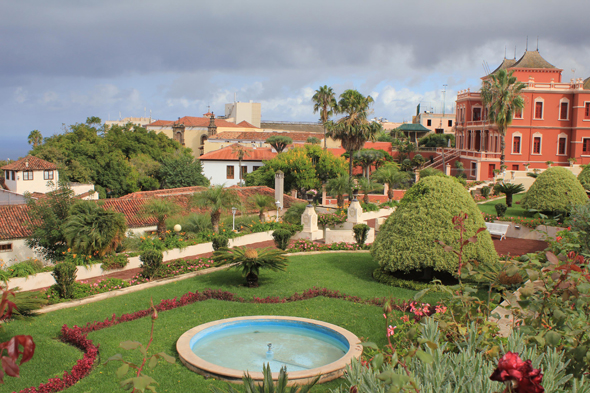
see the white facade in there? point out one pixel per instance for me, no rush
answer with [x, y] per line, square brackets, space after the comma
[226, 172]
[15, 250]
[31, 180]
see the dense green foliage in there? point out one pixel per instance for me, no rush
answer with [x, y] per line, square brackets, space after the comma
[304, 168]
[437, 140]
[250, 261]
[92, 230]
[500, 209]
[117, 159]
[279, 142]
[64, 274]
[50, 214]
[406, 241]
[293, 214]
[217, 200]
[151, 262]
[281, 237]
[508, 189]
[181, 171]
[160, 209]
[584, 177]
[555, 190]
[361, 231]
[219, 242]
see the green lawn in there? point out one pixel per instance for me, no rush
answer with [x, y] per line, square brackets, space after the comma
[347, 272]
[514, 211]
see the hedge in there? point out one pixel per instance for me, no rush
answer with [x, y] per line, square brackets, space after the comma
[406, 241]
[555, 190]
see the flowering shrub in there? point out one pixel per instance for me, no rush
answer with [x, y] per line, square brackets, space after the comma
[526, 222]
[304, 245]
[326, 220]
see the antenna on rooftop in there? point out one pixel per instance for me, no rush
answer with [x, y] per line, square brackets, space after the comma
[514, 52]
[537, 43]
[527, 44]
[504, 51]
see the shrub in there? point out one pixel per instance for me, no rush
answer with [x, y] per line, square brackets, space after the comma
[282, 237]
[391, 203]
[293, 214]
[430, 172]
[387, 279]
[110, 262]
[554, 191]
[361, 231]
[406, 240]
[151, 262]
[64, 274]
[369, 207]
[219, 241]
[501, 209]
[584, 177]
[485, 191]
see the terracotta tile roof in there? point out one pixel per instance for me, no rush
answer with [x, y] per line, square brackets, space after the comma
[161, 193]
[587, 83]
[13, 218]
[29, 163]
[190, 121]
[245, 124]
[228, 154]
[506, 63]
[263, 136]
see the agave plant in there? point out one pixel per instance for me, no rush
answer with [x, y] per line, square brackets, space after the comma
[250, 261]
[268, 385]
[509, 189]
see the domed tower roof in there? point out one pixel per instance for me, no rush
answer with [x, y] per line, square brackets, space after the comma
[532, 59]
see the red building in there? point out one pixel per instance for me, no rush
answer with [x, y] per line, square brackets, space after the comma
[553, 126]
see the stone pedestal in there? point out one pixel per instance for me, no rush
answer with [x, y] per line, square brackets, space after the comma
[309, 220]
[448, 170]
[355, 213]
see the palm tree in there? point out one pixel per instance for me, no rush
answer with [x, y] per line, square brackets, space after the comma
[366, 186]
[501, 96]
[216, 199]
[339, 186]
[354, 129]
[242, 152]
[161, 209]
[261, 203]
[509, 189]
[366, 158]
[91, 229]
[392, 176]
[325, 103]
[251, 260]
[35, 138]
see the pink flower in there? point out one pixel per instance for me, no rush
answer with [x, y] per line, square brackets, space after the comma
[405, 318]
[391, 330]
[441, 309]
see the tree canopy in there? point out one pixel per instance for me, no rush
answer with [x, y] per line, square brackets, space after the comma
[304, 168]
[279, 142]
[555, 190]
[117, 159]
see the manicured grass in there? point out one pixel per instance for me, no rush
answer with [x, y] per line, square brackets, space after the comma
[349, 273]
[514, 211]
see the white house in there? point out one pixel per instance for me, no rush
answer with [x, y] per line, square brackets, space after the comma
[35, 176]
[222, 166]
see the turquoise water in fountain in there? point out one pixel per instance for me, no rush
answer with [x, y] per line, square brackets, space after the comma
[243, 345]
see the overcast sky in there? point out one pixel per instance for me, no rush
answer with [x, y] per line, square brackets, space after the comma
[63, 61]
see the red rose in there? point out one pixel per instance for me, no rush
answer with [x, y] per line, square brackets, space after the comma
[531, 380]
[508, 368]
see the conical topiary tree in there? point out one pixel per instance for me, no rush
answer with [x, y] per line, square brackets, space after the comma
[555, 190]
[406, 241]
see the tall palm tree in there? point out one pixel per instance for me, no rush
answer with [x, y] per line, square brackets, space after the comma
[366, 186]
[339, 186]
[325, 103]
[501, 96]
[261, 203]
[91, 229]
[35, 138]
[216, 199]
[392, 176]
[242, 152]
[161, 209]
[366, 158]
[354, 129]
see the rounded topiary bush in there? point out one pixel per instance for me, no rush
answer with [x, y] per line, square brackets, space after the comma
[584, 177]
[555, 190]
[406, 241]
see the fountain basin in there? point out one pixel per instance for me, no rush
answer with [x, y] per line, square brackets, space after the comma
[228, 348]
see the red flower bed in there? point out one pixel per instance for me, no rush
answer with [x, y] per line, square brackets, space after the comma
[76, 336]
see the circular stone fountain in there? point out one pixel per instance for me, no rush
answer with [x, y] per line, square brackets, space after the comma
[228, 348]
